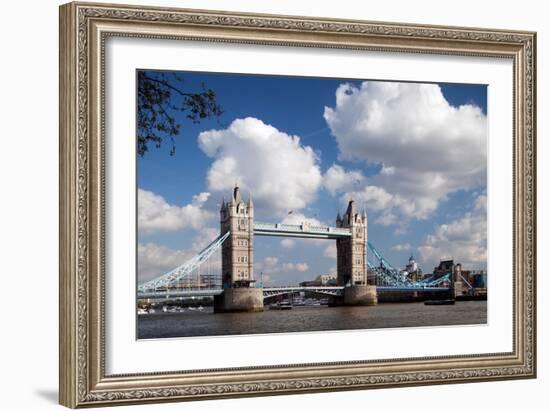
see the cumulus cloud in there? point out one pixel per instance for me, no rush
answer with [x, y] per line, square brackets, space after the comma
[269, 262]
[154, 259]
[330, 251]
[402, 247]
[288, 243]
[281, 173]
[465, 239]
[299, 218]
[425, 147]
[337, 180]
[155, 214]
[272, 265]
[205, 236]
[300, 267]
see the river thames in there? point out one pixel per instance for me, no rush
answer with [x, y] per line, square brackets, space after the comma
[312, 318]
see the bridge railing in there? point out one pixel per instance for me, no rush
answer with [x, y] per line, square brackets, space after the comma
[301, 228]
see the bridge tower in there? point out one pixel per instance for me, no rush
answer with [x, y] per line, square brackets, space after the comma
[237, 217]
[352, 259]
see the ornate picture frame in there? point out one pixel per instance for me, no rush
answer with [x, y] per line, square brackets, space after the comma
[84, 29]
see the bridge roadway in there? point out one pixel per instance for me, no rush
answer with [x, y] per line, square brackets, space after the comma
[274, 291]
[300, 230]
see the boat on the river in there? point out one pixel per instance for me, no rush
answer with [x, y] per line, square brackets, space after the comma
[284, 305]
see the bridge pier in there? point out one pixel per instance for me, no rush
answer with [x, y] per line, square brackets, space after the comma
[357, 295]
[360, 295]
[244, 299]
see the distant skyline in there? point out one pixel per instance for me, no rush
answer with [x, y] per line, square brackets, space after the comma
[413, 154]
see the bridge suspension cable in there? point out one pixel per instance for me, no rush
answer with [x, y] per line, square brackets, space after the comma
[183, 271]
[470, 286]
[431, 282]
[387, 275]
[385, 271]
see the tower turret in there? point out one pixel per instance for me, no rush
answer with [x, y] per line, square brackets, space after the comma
[236, 194]
[350, 212]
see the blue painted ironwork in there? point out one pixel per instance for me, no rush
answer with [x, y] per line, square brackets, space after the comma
[385, 272]
[173, 277]
[387, 276]
[433, 282]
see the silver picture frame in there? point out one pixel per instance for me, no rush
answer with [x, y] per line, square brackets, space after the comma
[84, 28]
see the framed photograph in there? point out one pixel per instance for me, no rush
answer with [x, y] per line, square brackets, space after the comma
[259, 204]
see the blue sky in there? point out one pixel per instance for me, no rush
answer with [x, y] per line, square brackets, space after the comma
[414, 155]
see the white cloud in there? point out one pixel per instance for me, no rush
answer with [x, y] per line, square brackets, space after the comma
[337, 180]
[268, 263]
[425, 147]
[465, 239]
[299, 218]
[330, 250]
[155, 260]
[288, 243]
[400, 230]
[402, 247]
[155, 214]
[300, 267]
[265, 268]
[205, 236]
[281, 173]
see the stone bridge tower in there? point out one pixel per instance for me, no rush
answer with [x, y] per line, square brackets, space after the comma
[351, 255]
[237, 216]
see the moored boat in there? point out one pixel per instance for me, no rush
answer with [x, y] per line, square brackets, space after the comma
[285, 305]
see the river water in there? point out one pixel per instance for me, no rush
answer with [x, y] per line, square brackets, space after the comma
[312, 318]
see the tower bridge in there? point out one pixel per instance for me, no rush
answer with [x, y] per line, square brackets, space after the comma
[269, 292]
[238, 230]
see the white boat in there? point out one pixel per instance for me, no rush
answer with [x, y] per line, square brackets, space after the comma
[284, 305]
